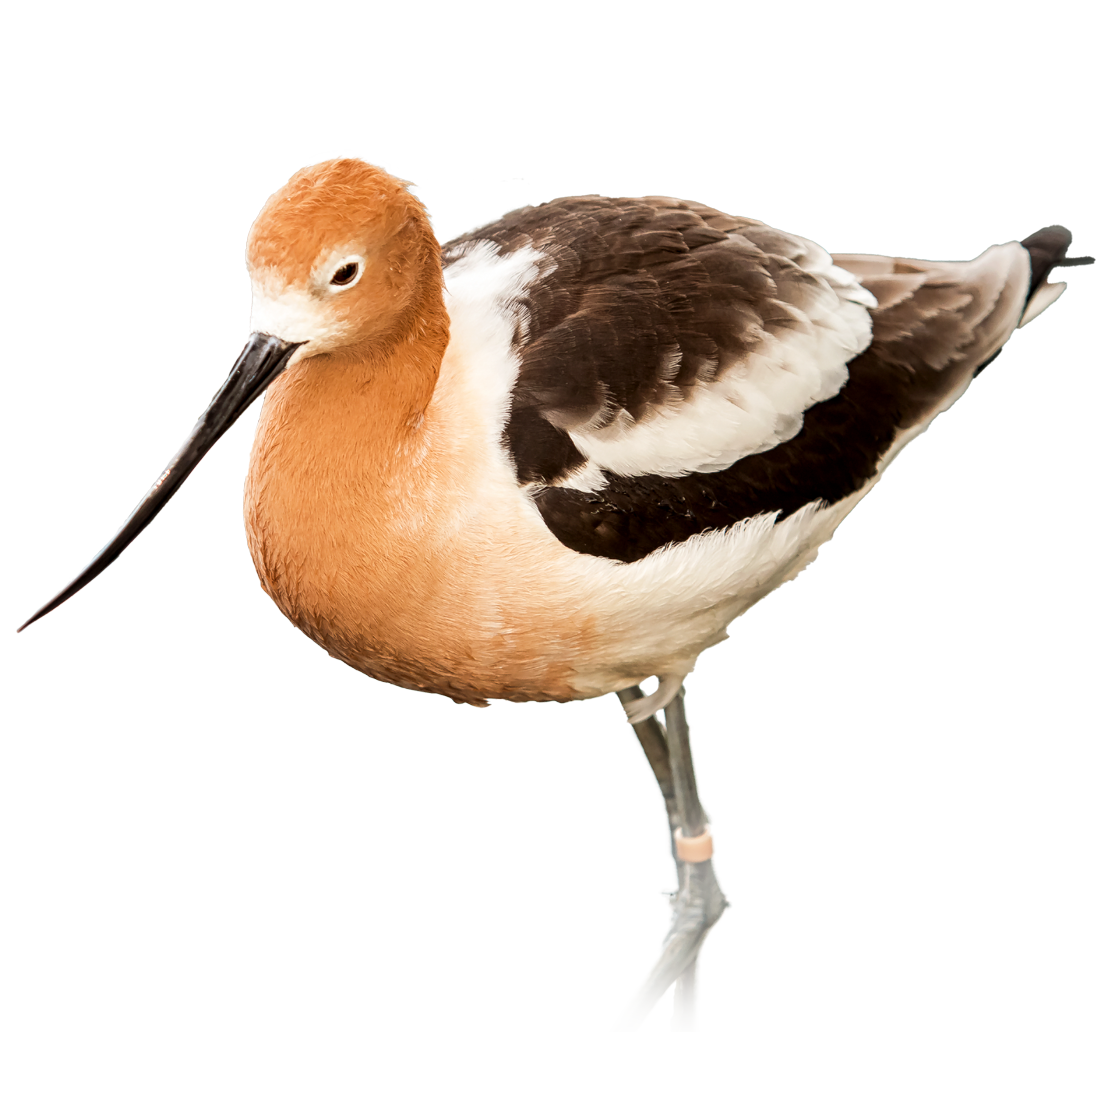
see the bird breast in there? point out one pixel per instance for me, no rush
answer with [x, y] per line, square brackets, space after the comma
[383, 533]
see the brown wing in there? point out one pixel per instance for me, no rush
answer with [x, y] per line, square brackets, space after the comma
[942, 317]
[662, 334]
[935, 325]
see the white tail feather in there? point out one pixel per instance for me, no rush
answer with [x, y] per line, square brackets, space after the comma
[1044, 297]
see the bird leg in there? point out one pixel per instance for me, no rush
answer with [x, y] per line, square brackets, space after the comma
[698, 902]
[655, 745]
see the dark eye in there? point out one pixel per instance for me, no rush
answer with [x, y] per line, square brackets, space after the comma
[345, 275]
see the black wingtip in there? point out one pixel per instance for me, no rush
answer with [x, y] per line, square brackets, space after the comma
[1045, 249]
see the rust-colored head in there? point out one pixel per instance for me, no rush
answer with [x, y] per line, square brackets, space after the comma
[341, 254]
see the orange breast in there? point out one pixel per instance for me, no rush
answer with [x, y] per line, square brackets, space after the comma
[378, 527]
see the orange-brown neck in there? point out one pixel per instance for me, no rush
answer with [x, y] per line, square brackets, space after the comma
[385, 526]
[360, 408]
[342, 443]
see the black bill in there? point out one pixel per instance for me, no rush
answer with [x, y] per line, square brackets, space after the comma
[259, 364]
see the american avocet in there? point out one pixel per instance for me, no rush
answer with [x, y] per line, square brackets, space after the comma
[561, 454]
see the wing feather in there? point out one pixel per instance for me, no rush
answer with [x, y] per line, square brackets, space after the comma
[665, 337]
[681, 370]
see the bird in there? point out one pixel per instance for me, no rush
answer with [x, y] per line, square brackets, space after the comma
[558, 455]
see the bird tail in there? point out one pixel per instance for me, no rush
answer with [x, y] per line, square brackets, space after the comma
[1041, 300]
[1047, 248]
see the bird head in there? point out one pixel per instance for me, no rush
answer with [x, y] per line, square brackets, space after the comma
[338, 256]
[342, 256]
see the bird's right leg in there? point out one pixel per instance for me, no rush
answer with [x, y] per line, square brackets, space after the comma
[655, 744]
[698, 903]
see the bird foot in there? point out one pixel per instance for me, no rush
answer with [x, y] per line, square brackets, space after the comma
[667, 688]
[696, 907]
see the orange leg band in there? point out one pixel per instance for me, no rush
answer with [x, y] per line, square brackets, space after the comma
[696, 849]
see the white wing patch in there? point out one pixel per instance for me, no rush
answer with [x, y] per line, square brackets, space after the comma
[755, 404]
[482, 284]
[484, 294]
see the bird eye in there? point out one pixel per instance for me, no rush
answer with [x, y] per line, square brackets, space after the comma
[345, 275]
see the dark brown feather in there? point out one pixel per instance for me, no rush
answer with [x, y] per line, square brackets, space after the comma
[636, 278]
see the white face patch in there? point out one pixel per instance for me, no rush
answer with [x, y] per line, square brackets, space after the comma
[306, 314]
[293, 314]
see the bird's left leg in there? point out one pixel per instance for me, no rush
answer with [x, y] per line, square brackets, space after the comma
[698, 904]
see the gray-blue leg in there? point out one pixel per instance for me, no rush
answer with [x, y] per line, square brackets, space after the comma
[698, 902]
